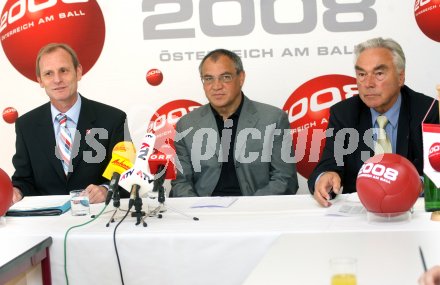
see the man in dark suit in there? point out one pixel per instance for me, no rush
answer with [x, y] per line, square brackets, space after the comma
[232, 146]
[380, 74]
[41, 168]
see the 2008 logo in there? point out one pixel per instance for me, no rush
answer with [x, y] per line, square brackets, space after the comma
[164, 120]
[18, 10]
[434, 148]
[308, 110]
[379, 170]
[269, 9]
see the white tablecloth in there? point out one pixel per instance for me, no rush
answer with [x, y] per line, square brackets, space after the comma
[223, 247]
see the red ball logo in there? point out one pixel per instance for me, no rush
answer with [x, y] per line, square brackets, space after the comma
[434, 156]
[28, 25]
[427, 13]
[5, 192]
[308, 109]
[154, 77]
[163, 122]
[388, 183]
[10, 115]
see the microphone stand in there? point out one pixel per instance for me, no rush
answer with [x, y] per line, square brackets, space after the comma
[113, 193]
[137, 203]
[158, 187]
[116, 204]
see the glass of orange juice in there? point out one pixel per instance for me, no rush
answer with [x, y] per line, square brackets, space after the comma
[343, 271]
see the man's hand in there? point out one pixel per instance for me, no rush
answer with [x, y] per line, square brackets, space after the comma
[431, 277]
[329, 181]
[16, 195]
[97, 194]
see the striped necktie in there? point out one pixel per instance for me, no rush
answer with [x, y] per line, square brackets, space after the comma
[64, 141]
[383, 144]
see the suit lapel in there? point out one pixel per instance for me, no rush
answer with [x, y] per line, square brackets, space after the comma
[403, 129]
[85, 124]
[248, 119]
[364, 125]
[207, 120]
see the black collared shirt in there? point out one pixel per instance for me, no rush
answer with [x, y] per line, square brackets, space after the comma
[227, 184]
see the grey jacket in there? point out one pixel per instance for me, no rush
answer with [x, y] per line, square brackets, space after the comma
[260, 140]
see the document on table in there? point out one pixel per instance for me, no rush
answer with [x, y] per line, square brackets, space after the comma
[215, 202]
[40, 206]
[348, 205]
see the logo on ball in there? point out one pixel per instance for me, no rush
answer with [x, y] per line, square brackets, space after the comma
[308, 109]
[427, 13]
[28, 25]
[434, 156]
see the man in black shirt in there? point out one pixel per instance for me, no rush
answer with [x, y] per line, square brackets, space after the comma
[232, 146]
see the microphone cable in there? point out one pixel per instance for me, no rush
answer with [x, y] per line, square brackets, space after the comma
[114, 241]
[65, 241]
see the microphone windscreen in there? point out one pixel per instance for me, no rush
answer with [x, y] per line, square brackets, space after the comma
[118, 164]
[122, 159]
[125, 149]
[163, 158]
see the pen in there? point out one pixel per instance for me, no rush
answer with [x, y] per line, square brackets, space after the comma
[423, 258]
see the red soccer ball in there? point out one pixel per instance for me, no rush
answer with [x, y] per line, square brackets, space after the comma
[5, 192]
[388, 184]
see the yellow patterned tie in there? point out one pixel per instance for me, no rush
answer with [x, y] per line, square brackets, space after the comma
[383, 144]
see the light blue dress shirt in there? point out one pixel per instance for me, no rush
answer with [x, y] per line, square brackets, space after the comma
[393, 121]
[72, 114]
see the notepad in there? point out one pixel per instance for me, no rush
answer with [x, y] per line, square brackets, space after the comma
[215, 202]
[40, 206]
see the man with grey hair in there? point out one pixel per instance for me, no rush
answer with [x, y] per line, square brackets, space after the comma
[233, 145]
[384, 103]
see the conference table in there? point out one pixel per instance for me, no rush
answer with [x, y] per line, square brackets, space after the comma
[252, 238]
[21, 254]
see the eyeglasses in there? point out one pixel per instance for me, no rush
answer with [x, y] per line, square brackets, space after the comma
[224, 78]
[379, 75]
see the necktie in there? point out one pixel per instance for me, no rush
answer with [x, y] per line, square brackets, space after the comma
[383, 144]
[64, 141]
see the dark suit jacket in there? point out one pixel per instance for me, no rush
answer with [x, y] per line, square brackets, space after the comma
[353, 113]
[37, 169]
[271, 176]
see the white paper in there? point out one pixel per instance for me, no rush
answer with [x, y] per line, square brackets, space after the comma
[348, 206]
[40, 202]
[346, 209]
[215, 202]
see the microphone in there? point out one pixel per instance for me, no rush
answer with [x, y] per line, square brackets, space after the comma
[161, 163]
[162, 166]
[113, 188]
[122, 156]
[138, 179]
